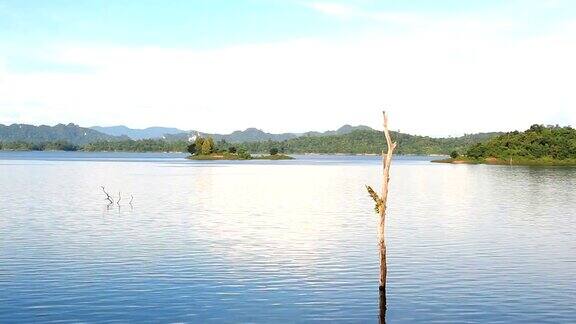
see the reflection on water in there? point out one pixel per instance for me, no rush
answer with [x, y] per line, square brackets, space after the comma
[382, 306]
[265, 241]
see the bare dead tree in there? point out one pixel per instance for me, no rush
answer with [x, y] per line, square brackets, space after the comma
[131, 199]
[119, 198]
[380, 202]
[108, 197]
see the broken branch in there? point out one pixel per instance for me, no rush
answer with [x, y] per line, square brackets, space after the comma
[108, 197]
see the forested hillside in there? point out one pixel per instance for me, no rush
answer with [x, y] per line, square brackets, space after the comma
[369, 142]
[136, 134]
[539, 142]
[257, 135]
[71, 133]
[355, 142]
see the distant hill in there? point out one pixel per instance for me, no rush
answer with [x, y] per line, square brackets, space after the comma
[257, 135]
[539, 143]
[70, 133]
[346, 129]
[77, 135]
[252, 135]
[346, 139]
[247, 135]
[150, 132]
[370, 142]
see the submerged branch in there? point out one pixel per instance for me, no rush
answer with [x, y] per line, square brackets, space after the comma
[108, 197]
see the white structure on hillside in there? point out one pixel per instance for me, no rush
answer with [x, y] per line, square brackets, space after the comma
[193, 137]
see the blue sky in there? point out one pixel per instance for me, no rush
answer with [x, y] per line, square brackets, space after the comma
[276, 61]
[215, 23]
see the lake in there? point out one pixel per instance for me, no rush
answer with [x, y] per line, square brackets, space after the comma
[282, 241]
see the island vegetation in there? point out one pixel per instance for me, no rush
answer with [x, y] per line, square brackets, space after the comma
[538, 145]
[206, 149]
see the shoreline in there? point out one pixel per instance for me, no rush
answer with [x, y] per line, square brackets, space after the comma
[512, 162]
[235, 157]
[254, 157]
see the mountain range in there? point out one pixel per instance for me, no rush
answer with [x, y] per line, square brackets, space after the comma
[247, 135]
[346, 139]
[40, 134]
[136, 134]
[78, 135]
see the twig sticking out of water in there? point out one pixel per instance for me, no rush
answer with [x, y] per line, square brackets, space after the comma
[108, 197]
[111, 200]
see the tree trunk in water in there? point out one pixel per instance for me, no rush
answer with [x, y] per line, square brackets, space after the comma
[382, 249]
[382, 307]
[386, 161]
[381, 203]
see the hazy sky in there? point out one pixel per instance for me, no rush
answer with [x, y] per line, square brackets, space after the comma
[439, 67]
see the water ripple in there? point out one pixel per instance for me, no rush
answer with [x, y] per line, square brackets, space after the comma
[283, 242]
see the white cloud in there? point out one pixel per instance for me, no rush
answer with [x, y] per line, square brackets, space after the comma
[2, 70]
[349, 12]
[434, 81]
[332, 9]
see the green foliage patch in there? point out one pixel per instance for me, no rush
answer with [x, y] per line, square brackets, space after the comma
[539, 143]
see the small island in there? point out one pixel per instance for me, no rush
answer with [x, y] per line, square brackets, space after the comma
[539, 145]
[205, 149]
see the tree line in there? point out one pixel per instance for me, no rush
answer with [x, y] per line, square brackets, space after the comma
[44, 146]
[356, 142]
[369, 142]
[538, 142]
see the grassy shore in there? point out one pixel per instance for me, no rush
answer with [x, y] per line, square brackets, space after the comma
[512, 161]
[233, 156]
[273, 157]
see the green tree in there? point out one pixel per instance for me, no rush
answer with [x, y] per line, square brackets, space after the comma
[538, 142]
[198, 142]
[243, 154]
[221, 145]
[273, 151]
[191, 148]
[454, 154]
[232, 149]
[208, 146]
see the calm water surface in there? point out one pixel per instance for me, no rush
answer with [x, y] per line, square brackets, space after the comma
[282, 241]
